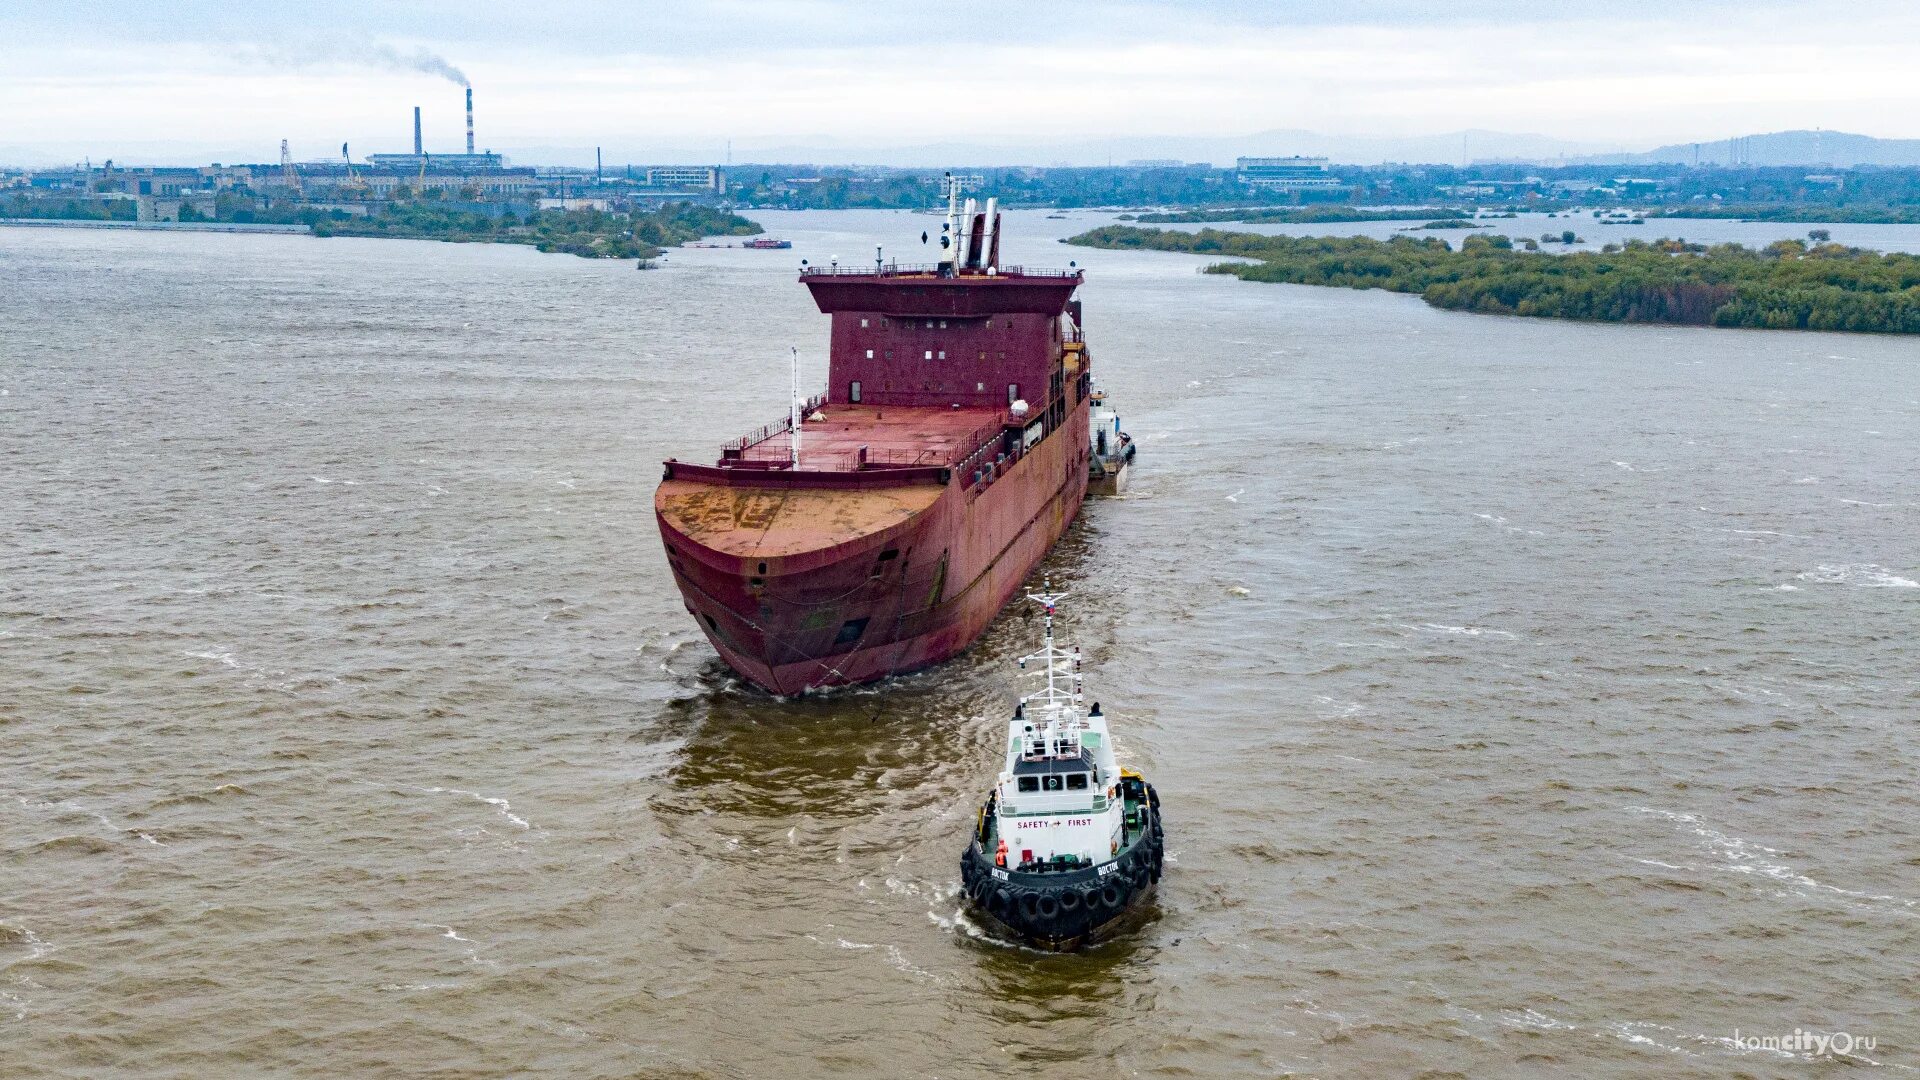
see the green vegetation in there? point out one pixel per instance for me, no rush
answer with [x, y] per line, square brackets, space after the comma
[592, 234]
[1449, 223]
[1787, 285]
[1814, 213]
[1302, 215]
[70, 210]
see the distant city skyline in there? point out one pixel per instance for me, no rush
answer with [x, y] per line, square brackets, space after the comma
[200, 78]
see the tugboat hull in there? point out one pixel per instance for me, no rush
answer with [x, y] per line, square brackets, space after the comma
[1065, 911]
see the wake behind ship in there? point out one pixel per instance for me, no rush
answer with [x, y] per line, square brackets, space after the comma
[881, 526]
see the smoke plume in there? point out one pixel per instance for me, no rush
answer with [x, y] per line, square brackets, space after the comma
[357, 53]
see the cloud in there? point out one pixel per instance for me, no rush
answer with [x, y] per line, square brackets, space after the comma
[1642, 74]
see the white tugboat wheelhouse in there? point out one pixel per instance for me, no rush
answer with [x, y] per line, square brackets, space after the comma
[1058, 801]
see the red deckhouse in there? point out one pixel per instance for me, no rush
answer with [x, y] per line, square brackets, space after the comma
[885, 529]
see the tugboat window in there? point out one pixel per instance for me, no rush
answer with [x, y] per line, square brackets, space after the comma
[1053, 783]
[1029, 783]
[1077, 782]
[853, 388]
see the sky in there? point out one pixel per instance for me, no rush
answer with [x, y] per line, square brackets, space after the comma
[192, 77]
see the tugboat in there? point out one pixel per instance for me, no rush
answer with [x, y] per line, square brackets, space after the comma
[1069, 844]
[1112, 457]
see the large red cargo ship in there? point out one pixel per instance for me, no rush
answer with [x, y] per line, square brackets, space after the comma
[881, 527]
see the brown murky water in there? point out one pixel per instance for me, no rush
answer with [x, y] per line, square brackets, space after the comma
[1525, 696]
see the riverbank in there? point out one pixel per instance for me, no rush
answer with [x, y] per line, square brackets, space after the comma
[1799, 213]
[1787, 285]
[1299, 215]
[592, 234]
[155, 226]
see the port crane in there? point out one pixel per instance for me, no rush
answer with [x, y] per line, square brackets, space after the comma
[354, 182]
[286, 168]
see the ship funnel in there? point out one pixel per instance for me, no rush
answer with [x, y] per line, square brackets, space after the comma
[469, 119]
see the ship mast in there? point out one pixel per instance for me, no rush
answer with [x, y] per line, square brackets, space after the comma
[793, 414]
[951, 239]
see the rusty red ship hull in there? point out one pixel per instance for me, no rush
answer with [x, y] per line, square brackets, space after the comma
[946, 458]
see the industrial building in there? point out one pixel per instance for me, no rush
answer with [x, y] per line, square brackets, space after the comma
[1301, 174]
[687, 178]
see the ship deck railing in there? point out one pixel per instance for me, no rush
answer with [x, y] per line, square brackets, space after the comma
[767, 431]
[964, 452]
[933, 270]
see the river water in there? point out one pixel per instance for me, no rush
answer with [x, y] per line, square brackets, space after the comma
[1525, 696]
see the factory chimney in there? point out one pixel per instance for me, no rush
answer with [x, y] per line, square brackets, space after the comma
[416, 131]
[469, 119]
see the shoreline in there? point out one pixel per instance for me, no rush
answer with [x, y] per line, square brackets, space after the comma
[156, 226]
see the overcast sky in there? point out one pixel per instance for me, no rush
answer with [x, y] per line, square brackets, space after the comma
[81, 76]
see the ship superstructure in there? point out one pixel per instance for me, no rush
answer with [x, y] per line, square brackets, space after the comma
[883, 524]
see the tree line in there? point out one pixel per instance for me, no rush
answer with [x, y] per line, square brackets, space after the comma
[1790, 284]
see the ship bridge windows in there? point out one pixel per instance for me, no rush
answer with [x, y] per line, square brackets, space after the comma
[1077, 781]
[1029, 783]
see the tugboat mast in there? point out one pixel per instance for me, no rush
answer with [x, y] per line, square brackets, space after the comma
[1060, 701]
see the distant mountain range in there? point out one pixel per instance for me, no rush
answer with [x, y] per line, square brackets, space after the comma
[1835, 148]
[1839, 149]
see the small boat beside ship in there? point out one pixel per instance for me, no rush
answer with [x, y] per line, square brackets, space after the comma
[1069, 846]
[1112, 451]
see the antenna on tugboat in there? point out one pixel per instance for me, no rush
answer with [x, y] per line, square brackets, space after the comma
[793, 415]
[1062, 667]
